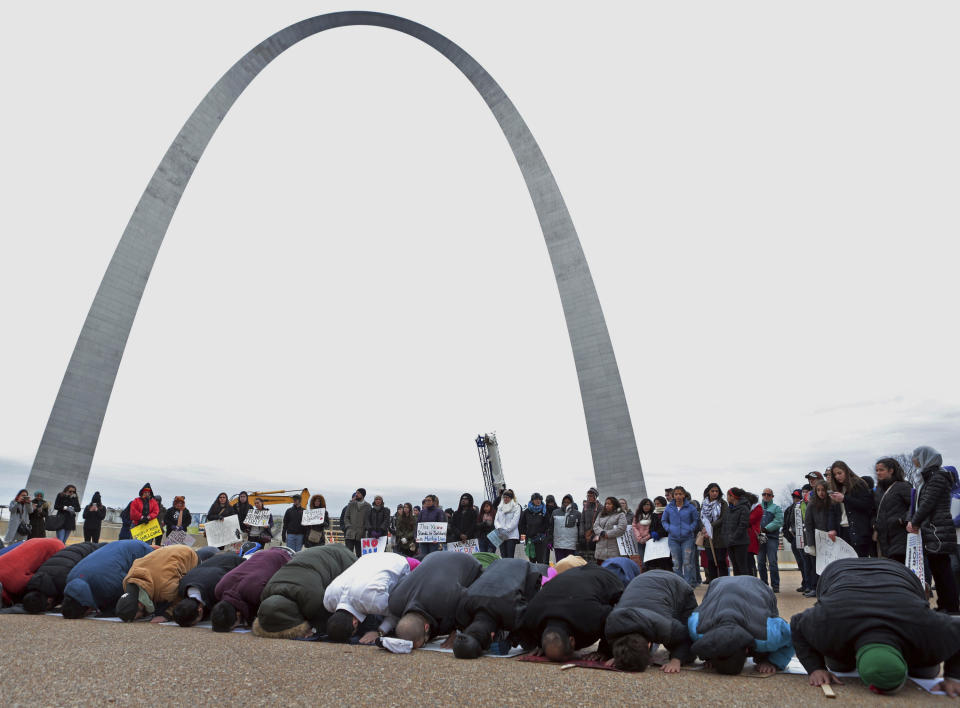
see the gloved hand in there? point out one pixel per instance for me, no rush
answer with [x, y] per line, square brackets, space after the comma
[654, 535]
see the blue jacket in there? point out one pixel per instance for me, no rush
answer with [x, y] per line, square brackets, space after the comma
[97, 580]
[680, 522]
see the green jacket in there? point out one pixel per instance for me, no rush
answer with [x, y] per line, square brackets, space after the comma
[772, 526]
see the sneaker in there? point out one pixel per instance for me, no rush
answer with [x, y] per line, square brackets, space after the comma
[810, 593]
[801, 589]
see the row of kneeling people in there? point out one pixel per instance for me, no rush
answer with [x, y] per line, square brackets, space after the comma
[871, 614]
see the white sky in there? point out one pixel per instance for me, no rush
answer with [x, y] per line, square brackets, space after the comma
[355, 284]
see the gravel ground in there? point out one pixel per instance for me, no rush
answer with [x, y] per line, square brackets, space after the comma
[98, 663]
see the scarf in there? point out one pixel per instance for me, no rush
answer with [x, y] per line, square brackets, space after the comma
[659, 509]
[710, 510]
[536, 509]
[508, 508]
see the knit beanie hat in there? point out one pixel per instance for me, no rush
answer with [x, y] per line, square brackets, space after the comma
[882, 667]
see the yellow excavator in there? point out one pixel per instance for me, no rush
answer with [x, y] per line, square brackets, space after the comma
[282, 496]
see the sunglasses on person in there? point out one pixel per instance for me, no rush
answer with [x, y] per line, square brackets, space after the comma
[768, 494]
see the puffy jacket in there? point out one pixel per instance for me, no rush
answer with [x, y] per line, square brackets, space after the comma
[51, 577]
[680, 522]
[736, 527]
[820, 519]
[866, 600]
[243, 585]
[535, 525]
[893, 512]
[364, 588]
[502, 591]
[753, 531]
[772, 520]
[740, 612]
[158, 574]
[378, 522]
[434, 590]
[136, 510]
[508, 522]
[563, 528]
[19, 565]
[292, 601]
[655, 605]
[68, 508]
[207, 575]
[859, 505]
[613, 526]
[932, 515]
[97, 580]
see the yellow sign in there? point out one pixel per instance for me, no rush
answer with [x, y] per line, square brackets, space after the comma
[145, 532]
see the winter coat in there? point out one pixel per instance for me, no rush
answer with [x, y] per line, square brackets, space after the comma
[316, 534]
[736, 525]
[893, 512]
[718, 527]
[378, 522]
[771, 520]
[292, 601]
[790, 523]
[588, 517]
[464, 522]
[740, 612]
[655, 605]
[434, 514]
[859, 505]
[51, 577]
[820, 519]
[563, 527]
[434, 590]
[170, 519]
[291, 522]
[355, 520]
[218, 511]
[205, 577]
[535, 525]
[136, 511]
[68, 507]
[612, 526]
[38, 520]
[932, 515]
[158, 574]
[243, 508]
[507, 523]
[581, 597]
[865, 600]
[19, 565]
[97, 580]
[19, 514]
[364, 588]
[93, 520]
[681, 522]
[625, 568]
[503, 591]
[753, 531]
[243, 585]
[264, 534]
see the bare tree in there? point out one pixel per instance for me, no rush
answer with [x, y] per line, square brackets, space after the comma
[786, 496]
[911, 473]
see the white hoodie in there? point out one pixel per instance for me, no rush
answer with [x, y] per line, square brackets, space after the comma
[364, 588]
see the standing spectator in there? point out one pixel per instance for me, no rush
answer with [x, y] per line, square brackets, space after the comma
[551, 503]
[178, 516]
[626, 510]
[680, 521]
[68, 506]
[506, 524]
[609, 526]
[431, 512]
[93, 516]
[264, 534]
[145, 508]
[856, 507]
[793, 525]
[562, 529]
[932, 520]
[485, 524]
[534, 527]
[355, 520]
[658, 532]
[315, 534]
[641, 526]
[463, 525]
[769, 541]
[292, 532]
[125, 523]
[822, 515]
[161, 514]
[756, 514]
[38, 518]
[893, 510]
[378, 520]
[714, 511]
[18, 528]
[736, 529]
[220, 510]
[588, 517]
[243, 508]
[406, 533]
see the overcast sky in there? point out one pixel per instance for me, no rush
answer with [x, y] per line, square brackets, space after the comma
[355, 284]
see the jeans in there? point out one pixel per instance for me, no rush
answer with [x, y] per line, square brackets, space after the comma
[63, 534]
[485, 545]
[768, 553]
[295, 541]
[681, 551]
[425, 548]
[508, 548]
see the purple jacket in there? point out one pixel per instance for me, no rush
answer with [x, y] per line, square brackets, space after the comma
[434, 513]
[241, 587]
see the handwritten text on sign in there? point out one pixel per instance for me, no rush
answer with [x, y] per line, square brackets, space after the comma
[914, 560]
[222, 533]
[146, 532]
[828, 551]
[313, 517]
[179, 538]
[257, 517]
[432, 532]
[372, 545]
[656, 549]
[469, 546]
[627, 544]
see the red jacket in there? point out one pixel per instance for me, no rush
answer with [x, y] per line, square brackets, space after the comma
[136, 510]
[755, 515]
[19, 565]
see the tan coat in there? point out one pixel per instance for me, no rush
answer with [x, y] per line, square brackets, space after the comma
[158, 573]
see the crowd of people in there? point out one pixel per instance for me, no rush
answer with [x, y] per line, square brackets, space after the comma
[596, 588]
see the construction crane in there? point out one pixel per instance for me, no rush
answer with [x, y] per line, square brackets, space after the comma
[282, 496]
[490, 468]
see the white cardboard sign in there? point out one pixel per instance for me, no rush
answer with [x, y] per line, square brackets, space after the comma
[313, 517]
[432, 532]
[223, 532]
[256, 517]
[828, 551]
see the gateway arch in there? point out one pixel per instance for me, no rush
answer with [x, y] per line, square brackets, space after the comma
[70, 438]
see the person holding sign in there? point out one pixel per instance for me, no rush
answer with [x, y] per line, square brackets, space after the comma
[144, 508]
[314, 534]
[793, 520]
[378, 521]
[178, 516]
[609, 526]
[261, 533]
[430, 513]
[358, 597]
[822, 515]
[220, 510]
[872, 615]
[243, 507]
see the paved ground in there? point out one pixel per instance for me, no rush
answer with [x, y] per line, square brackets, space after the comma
[52, 661]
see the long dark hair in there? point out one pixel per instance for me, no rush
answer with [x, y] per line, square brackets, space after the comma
[851, 482]
[616, 507]
[896, 471]
[815, 501]
[488, 505]
[638, 514]
[713, 485]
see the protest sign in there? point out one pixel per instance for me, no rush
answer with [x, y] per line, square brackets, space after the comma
[627, 544]
[223, 532]
[914, 559]
[257, 517]
[656, 549]
[312, 517]
[179, 538]
[146, 532]
[432, 532]
[707, 526]
[469, 546]
[828, 551]
[373, 545]
[495, 539]
[798, 527]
